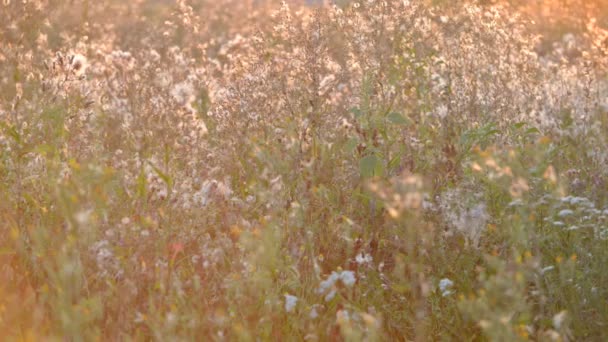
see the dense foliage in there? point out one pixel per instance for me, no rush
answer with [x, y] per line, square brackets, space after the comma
[249, 170]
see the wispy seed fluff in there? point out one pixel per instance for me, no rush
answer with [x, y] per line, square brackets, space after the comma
[78, 64]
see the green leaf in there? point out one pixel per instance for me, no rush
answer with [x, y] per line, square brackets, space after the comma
[370, 166]
[351, 145]
[394, 163]
[367, 165]
[480, 135]
[398, 119]
[532, 130]
[519, 125]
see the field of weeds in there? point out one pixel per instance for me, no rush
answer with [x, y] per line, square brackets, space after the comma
[243, 170]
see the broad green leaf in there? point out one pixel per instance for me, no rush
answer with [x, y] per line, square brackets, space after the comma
[519, 125]
[398, 119]
[370, 166]
[532, 130]
[367, 165]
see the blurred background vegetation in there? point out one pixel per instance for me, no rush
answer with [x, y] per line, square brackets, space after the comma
[250, 170]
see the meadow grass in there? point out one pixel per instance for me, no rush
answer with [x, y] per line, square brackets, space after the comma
[249, 170]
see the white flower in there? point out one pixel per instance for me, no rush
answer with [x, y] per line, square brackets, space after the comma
[183, 93]
[547, 269]
[362, 258]
[348, 278]
[445, 286]
[290, 302]
[574, 200]
[139, 317]
[83, 217]
[328, 286]
[171, 319]
[329, 282]
[559, 319]
[442, 111]
[565, 212]
[79, 64]
[330, 295]
[313, 312]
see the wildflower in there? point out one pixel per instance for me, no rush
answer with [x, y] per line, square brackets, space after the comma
[313, 312]
[139, 317]
[328, 283]
[348, 278]
[78, 64]
[577, 200]
[171, 319]
[547, 269]
[442, 111]
[183, 93]
[290, 302]
[522, 330]
[445, 286]
[558, 320]
[363, 258]
[327, 287]
[469, 220]
[83, 217]
[330, 295]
